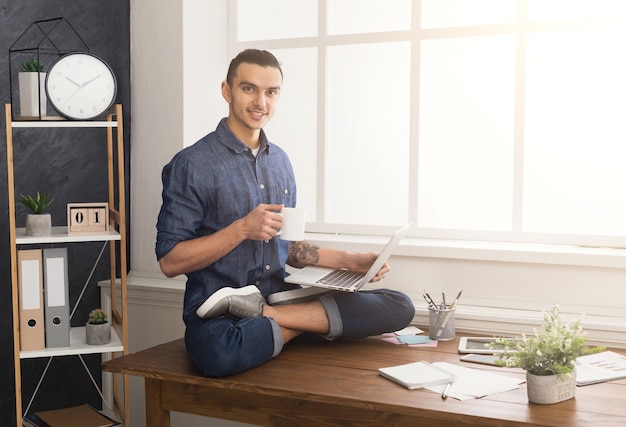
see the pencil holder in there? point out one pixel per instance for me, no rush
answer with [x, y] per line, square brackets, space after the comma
[441, 323]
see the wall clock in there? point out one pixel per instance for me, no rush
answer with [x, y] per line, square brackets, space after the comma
[80, 86]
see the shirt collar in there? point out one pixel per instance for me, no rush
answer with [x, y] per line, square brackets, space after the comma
[228, 138]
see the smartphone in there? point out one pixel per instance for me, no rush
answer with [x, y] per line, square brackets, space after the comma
[485, 359]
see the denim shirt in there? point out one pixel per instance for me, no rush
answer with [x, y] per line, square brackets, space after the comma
[209, 185]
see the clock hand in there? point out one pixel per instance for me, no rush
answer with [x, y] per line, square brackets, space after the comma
[73, 82]
[72, 95]
[89, 81]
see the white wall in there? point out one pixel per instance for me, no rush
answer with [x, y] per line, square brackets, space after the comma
[178, 61]
[179, 57]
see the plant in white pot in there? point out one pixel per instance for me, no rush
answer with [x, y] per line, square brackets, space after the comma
[38, 222]
[549, 357]
[98, 328]
[31, 81]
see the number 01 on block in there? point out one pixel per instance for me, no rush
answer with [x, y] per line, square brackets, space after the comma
[87, 217]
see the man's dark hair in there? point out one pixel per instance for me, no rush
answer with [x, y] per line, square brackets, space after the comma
[262, 58]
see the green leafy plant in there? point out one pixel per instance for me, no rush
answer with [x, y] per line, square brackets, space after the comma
[97, 316]
[551, 351]
[32, 66]
[38, 204]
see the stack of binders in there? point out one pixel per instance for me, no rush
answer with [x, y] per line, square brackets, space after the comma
[44, 298]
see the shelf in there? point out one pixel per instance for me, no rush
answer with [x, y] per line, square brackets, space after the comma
[78, 345]
[60, 122]
[59, 235]
[115, 238]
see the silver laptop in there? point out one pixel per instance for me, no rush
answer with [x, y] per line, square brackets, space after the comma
[345, 280]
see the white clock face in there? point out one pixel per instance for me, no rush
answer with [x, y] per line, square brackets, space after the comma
[80, 86]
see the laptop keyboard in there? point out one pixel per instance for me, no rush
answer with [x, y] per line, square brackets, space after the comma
[341, 278]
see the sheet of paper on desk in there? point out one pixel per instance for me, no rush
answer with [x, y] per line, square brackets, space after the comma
[474, 383]
[600, 367]
[409, 330]
[414, 339]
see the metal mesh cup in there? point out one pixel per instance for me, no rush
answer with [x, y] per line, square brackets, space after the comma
[441, 323]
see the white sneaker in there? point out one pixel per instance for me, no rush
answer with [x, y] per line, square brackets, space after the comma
[240, 302]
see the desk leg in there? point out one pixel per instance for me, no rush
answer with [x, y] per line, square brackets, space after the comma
[156, 416]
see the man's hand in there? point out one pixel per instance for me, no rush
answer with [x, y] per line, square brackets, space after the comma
[192, 255]
[364, 260]
[381, 273]
[353, 261]
[263, 222]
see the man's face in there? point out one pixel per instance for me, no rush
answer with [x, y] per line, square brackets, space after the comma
[253, 96]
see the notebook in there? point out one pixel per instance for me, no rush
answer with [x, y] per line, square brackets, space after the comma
[417, 375]
[344, 280]
[76, 416]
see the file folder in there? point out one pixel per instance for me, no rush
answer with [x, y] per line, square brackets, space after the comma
[30, 280]
[56, 292]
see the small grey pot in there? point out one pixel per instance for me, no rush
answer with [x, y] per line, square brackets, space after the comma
[38, 225]
[98, 334]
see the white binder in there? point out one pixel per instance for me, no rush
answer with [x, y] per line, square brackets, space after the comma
[56, 287]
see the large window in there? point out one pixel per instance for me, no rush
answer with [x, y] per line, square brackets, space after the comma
[474, 119]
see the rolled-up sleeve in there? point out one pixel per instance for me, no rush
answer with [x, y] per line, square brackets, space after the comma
[181, 212]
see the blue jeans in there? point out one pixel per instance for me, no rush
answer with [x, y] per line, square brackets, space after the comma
[227, 345]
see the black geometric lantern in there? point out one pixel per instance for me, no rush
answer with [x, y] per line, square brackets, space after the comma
[36, 49]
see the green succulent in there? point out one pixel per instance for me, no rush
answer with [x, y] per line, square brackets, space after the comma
[32, 66]
[97, 316]
[39, 204]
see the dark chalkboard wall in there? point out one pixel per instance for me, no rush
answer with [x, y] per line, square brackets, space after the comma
[71, 165]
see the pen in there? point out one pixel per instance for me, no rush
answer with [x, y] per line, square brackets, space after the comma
[430, 299]
[444, 393]
[456, 299]
[430, 304]
[443, 297]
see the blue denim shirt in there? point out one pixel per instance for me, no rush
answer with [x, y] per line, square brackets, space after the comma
[208, 186]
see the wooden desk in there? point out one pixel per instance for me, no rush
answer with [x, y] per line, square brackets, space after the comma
[336, 383]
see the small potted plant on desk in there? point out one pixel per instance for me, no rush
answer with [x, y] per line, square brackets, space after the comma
[549, 358]
[98, 331]
[38, 223]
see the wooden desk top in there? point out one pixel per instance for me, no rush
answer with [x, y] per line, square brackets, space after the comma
[307, 377]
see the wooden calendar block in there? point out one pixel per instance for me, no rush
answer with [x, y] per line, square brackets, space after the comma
[87, 217]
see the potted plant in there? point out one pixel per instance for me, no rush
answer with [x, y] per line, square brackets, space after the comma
[549, 357]
[98, 328]
[31, 81]
[38, 223]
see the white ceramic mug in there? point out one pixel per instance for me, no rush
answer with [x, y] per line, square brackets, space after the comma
[293, 224]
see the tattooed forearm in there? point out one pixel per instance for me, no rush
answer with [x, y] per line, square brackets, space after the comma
[302, 254]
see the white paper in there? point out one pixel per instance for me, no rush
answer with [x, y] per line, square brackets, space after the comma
[409, 330]
[474, 383]
[31, 285]
[55, 268]
[600, 367]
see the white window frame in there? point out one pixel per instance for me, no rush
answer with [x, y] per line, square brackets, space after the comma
[414, 35]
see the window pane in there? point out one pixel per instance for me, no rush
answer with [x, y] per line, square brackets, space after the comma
[457, 13]
[575, 139]
[367, 133]
[276, 19]
[297, 133]
[360, 16]
[541, 10]
[466, 133]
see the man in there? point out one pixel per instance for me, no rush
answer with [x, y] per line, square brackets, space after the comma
[218, 225]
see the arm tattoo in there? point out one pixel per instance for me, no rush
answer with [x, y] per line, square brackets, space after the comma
[302, 254]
